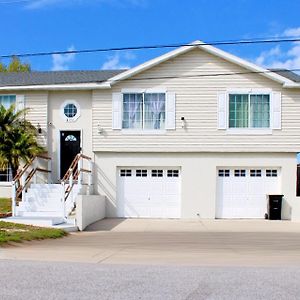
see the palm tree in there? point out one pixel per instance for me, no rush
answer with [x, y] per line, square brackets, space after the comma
[18, 139]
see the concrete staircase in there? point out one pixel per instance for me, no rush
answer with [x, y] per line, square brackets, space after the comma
[42, 200]
[47, 204]
[44, 206]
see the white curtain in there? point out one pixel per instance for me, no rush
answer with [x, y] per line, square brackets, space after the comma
[7, 100]
[154, 111]
[132, 110]
[260, 111]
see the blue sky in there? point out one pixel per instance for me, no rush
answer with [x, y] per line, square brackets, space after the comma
[46, 25]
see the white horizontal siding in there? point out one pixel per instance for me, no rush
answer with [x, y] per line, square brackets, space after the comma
[196, 101]
[37, 113]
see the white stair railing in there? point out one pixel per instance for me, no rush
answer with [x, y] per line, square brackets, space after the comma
[75, 176]
[25, 176]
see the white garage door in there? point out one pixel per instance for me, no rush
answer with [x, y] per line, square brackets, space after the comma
[241, 192]
[149, 193]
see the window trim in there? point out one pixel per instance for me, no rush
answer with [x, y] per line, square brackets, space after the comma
[250, 130]
[139, 131]
[62, 108]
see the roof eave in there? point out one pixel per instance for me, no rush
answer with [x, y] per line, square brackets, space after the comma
[81, 86]
[293, 85]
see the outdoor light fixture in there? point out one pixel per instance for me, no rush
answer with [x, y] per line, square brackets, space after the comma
[39, 129]
[182, 122]
[100, 129]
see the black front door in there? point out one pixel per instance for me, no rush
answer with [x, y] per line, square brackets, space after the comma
[69, 148]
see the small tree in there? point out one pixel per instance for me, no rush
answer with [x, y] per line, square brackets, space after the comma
[18, 139]
[15, 65]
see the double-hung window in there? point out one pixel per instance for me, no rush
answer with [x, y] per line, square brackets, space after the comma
[249, 111]
[6, 175]
[7, 100]
[144, 111]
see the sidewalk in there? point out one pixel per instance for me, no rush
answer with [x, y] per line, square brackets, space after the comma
[172, 242]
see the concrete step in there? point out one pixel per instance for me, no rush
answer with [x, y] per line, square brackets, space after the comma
[44, 195]
[35, 208]
[44, 185]
[47, 199]
[37, 221]
[39, 213]
[45, 206]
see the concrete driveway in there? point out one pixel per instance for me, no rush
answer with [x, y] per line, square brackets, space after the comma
[171, 242]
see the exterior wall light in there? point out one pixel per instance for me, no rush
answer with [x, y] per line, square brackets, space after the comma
[39, 129]
[182, 122]
[100, 129]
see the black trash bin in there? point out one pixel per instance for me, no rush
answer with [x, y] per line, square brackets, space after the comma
[274, 207]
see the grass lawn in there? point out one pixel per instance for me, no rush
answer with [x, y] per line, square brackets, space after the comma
[10, 232]
[5, 205]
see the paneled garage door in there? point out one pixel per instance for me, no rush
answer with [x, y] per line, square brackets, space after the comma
[149, 192]
[241, 192]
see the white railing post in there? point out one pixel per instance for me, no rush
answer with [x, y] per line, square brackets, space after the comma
[23, 179]
[71, 178]
[34, 166]
[13, 198]
[63, 199]
[50, 170]
[90, 178]
[79, 166]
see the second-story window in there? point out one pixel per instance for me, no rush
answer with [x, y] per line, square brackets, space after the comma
[249, 111]
[144, 111]
[7, 100]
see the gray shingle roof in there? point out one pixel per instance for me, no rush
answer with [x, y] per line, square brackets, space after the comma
[56, 77]
[69, 77]
[287, 74]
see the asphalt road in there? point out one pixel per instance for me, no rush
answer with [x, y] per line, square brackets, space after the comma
[55, 280]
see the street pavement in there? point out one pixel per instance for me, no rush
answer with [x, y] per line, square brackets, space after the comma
[171, 242]
[158, 259]
[45, 280]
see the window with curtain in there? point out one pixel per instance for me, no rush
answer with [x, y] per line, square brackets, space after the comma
[144, 111]
[7, 100]
[249, 111]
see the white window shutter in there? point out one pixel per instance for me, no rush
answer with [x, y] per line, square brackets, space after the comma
[170, 111]
[117, 102]
[20, 102]
[276, 110]
[222, 111]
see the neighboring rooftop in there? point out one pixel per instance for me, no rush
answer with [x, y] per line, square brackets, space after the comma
[73, 77]
[56, 77]
[287, 74]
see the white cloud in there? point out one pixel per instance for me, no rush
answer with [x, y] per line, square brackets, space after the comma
[37, 4]
[61, 62]
[118, 61]
[292, 32]
[265, 55]
[282, 56]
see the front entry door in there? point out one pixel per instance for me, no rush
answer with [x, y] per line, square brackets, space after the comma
[69, 148]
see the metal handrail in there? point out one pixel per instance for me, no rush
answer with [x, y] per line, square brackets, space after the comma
[72, 177]
[72, 166]
[24, 169]
[21, 181]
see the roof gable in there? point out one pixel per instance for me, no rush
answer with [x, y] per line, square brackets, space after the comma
[275, 76]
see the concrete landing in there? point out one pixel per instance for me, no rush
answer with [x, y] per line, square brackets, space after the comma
[53, 222]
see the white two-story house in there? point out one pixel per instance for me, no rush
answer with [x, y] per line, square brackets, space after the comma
[194, 133]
